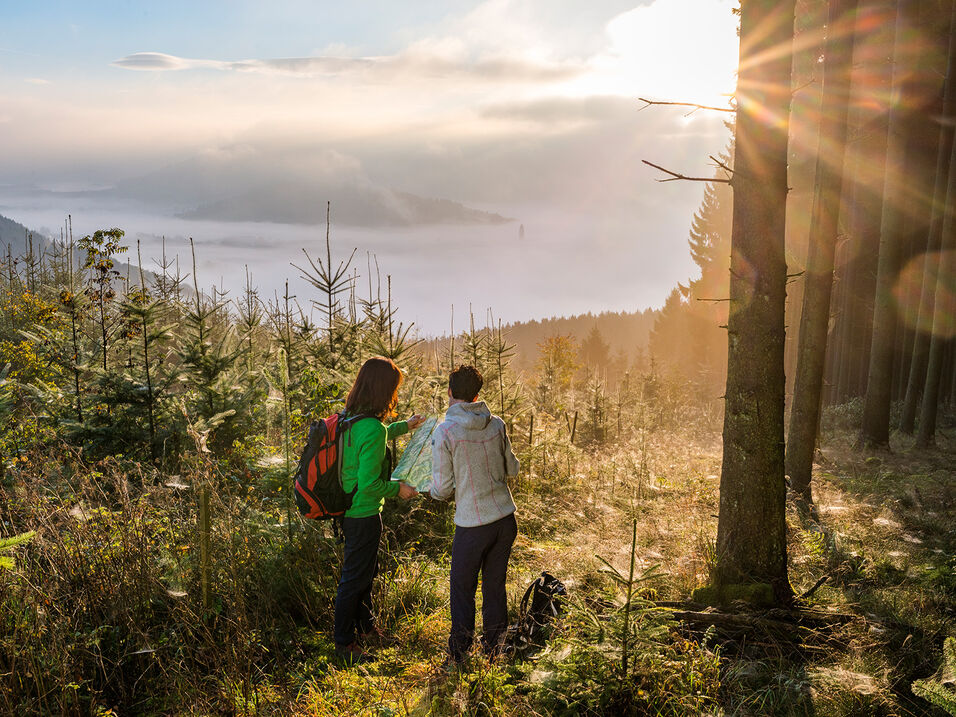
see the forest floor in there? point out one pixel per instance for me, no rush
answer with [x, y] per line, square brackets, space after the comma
[885, 539]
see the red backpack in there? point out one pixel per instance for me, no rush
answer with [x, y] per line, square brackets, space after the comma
[318, 480]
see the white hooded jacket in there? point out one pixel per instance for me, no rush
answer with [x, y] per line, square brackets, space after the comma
[472, 459]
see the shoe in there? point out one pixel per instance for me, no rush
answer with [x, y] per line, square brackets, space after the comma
[352, 654]
[373, 634]
[493, 657]
[450, 666]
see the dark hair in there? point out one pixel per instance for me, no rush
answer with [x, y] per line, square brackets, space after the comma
[375, 390]
[465, 382]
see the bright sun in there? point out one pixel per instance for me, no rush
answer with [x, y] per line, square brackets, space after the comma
[680, 50]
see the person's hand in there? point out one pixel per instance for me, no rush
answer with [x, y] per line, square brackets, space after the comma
[406, 492]
[415, 421]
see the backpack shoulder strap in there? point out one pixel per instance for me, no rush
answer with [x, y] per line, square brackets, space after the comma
[523, 609]
[340, 456]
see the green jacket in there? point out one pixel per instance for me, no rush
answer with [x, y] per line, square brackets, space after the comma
[363, 464]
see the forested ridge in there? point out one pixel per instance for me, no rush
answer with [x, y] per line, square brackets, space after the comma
[749, 493]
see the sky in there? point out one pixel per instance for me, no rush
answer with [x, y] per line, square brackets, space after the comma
[234, 122]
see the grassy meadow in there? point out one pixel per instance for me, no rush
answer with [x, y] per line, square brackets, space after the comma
[153, 564]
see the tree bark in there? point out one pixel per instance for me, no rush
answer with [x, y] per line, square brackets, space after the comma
[924, 321]
[751, 530]
[824, 229]
[876, 408]
[951, 388]
[943, 314]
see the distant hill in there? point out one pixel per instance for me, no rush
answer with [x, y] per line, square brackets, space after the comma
[14, 234]
[294, 203]
[244, 185]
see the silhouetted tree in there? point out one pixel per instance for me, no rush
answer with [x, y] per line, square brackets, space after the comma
[824, 229]
[944, 309]
[924, 320]
[595, 351]
[876, 408]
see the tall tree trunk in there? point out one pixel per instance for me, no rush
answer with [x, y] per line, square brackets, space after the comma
[951, 372]
[876, 407]
[751, 530]
[867, 156]
[924, 321]
[824, 228]
[943, 313]
[851, 272]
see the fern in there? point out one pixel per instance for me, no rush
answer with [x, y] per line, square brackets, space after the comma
[940, 689]
[7, 399]
[6, 544]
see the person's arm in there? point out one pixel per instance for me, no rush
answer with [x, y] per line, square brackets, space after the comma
[371, 455]
[512, 464]
[396, 429]
[443, 473]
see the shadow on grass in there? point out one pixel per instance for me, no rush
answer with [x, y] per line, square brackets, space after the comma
[890, 554]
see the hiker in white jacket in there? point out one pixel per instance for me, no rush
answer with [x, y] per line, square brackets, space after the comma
[471, 460]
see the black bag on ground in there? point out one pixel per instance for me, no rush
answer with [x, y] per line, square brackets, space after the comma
[540, 605]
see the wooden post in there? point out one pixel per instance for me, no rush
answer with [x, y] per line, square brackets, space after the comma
[284, 369]
[620, 401]
[205, 566]
[627, 605]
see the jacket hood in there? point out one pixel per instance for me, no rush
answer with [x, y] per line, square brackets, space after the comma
[472, 416]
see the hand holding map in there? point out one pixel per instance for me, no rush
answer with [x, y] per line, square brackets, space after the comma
[415, 464]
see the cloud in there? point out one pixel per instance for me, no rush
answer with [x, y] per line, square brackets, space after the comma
[553, 111]
[37, 81]
[411, 63]
[255, 242]
[151, 61]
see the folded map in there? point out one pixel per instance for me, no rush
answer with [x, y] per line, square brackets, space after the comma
[415, 464]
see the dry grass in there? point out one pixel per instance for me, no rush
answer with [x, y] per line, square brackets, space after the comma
[886, 538]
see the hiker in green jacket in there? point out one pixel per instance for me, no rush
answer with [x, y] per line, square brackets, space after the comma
[365, 469]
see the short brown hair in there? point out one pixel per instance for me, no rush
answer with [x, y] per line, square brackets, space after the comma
[465, 382]
[375, 390]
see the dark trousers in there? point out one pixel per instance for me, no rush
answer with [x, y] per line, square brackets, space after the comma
[353, 602]
[484, 548]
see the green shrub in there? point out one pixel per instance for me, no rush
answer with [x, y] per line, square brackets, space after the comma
[582, 671]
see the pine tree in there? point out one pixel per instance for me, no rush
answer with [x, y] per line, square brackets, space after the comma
[688, 336]
[73, 303]
[554, 372]
[210, 355]
[331, 284]
[100, 248]
[595, 351]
